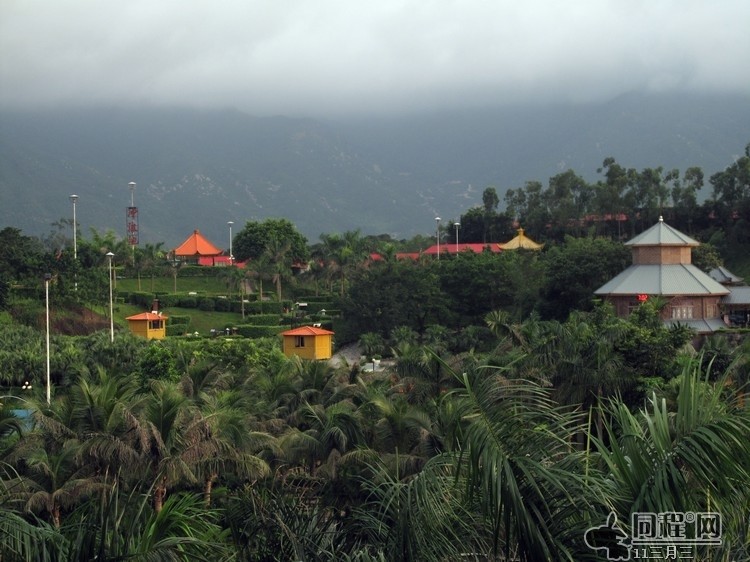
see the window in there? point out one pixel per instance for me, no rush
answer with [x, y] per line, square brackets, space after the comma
[155, 325]
[299, 341]
[682, 312]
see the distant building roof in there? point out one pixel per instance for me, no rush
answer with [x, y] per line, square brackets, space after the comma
[521, 241]
[197, 245]
[662, 279]
[737, 296]
[307, 331]
[661, 234]
[724, 276]
[477, 248]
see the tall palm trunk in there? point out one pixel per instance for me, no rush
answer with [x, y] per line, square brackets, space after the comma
[208, 488]
[160, 492]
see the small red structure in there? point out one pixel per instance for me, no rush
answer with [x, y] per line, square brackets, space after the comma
[197, 249]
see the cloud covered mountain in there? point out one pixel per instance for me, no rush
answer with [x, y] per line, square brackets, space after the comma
[200, 169]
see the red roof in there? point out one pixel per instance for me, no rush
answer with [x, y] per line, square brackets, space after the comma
[307, 331]
[147, 316]
[494, 247]
[197, 245]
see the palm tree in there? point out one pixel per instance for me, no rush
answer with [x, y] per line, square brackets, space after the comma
[692, 459]
[520, 468]
[277, 253]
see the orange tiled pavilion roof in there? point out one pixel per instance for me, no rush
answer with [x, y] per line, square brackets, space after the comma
[197, 245]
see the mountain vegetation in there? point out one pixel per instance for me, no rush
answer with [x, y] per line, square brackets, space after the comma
[198, 169]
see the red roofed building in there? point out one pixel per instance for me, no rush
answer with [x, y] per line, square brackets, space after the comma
[197, 248]
[477, 248]
[308, 342]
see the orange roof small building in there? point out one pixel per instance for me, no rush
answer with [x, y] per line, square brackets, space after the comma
[196, 247]
[149, 325]
[521, 241]
[308, 342]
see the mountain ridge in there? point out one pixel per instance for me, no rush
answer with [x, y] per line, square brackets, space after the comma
[202, 168]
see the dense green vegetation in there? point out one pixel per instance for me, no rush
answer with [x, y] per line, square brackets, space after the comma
[512, 411]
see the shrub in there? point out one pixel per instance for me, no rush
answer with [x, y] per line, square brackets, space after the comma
[249, 331]
[187, 302]
[262, 320]
[222, 305]
[206, 304]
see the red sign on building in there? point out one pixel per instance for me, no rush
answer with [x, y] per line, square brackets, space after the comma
[131, 225]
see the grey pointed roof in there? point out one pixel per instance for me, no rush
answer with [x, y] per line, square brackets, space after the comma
[662, 279]
[723, 275]
[737, 295]
[661, 234]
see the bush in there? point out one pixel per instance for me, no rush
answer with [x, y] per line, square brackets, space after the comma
[223, 305]
[206, 304]
[262, 320]
[181, 319]
[188, 302]
[265, 307]
[249, 331]
[176, 329]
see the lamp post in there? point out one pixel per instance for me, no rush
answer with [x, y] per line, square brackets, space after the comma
[231, 255]
[47, 278]
[457, 225]
[131, 185]
[110, 255]
[437, 235]
[73, 199]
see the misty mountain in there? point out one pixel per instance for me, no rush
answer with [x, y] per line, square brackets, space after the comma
[200, 169]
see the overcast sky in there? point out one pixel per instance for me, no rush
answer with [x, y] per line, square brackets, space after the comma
[313, 57]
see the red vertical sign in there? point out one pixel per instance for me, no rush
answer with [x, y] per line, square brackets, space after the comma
[131, 225]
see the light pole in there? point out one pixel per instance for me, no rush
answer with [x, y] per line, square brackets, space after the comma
[457, 225]
[131, 185]
[437, 235]
[110, 255]
[47, 278]
[73, 199]
[231, 255]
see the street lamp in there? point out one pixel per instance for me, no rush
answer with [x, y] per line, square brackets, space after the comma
[134, 238]
[47, 278]
[437, 235]
[73, 199]
[231, 255]
[457, 225]
[110, 255]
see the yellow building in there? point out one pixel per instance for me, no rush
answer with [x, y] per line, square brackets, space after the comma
[148, 325]
[308, 342]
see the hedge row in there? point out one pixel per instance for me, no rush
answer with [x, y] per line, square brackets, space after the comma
[249, 331]
[207, 304]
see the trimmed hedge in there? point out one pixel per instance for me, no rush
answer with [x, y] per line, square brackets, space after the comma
[249, 331]
[176, 329]
[181, 319]
[262, 320]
